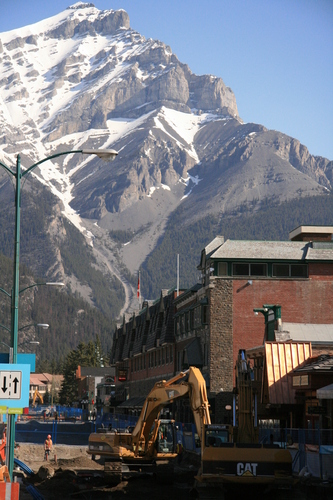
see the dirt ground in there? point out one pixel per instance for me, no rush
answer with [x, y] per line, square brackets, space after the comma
[70, 473]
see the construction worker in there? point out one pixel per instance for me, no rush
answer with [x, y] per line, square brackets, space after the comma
[47, 446]
[179, 451]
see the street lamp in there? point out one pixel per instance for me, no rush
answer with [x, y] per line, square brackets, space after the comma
[32, 342]
[44, 326]
[104, 154]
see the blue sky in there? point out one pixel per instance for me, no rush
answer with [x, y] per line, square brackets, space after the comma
[276, 55]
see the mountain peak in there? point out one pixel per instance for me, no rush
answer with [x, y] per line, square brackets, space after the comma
[83, 79]
[80, 5]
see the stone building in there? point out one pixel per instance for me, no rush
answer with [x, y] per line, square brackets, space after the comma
[208, 324]
[143, 350]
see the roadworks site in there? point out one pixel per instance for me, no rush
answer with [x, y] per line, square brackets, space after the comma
[70, 473]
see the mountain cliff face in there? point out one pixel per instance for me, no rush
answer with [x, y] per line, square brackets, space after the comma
[85, 79]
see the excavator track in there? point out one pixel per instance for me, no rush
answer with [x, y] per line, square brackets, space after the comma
[113, 472]
[164, 472]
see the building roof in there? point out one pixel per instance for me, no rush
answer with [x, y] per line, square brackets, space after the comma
[44, 378]
[314, 230]
[214, 244]
[320, 250]
[273, 250]
[320, 364]
[306, 332]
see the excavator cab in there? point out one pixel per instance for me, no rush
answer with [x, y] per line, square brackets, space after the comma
[217, 435]
[167, 437]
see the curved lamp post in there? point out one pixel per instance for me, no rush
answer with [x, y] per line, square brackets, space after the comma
[104, 154]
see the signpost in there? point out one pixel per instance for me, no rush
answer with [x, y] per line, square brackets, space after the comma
[14, 385]
[4, 410]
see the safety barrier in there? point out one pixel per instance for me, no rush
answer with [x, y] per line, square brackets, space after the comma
[10, 491]
[311, 450]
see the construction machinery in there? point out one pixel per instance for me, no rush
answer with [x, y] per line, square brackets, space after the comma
[152, 444]
[35, 396]
[244, 461]
[230, 455]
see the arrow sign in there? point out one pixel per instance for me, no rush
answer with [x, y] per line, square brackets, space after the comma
[10, 384]
[15, 382]
[4, 387]
[14, 385]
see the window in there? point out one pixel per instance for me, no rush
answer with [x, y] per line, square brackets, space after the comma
[177, 326]
[179, 360]
[204, 315]
[191, 319]
[290, 270]
[187, 322]
[222, 269]
[281, 270]
[300, 380]
[253, 269]
[205, 354]
[197, 317]
[241, 270]
[299, 270]
[258, 269]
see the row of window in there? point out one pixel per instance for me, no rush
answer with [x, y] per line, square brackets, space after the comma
[192, 319]
[158, 357]
[258, 270]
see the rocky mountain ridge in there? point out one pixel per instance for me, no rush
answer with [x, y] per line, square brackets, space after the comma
[85, 79]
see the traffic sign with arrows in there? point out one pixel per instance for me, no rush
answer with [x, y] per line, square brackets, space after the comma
[14, 385]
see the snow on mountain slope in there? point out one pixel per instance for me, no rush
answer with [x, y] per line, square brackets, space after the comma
[85, 79]
[32, 93]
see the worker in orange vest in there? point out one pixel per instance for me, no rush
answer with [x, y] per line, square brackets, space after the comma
[3, 447]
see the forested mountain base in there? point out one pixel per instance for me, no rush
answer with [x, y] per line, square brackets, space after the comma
[271, 222]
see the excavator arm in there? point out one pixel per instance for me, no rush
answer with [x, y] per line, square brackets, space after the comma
[247, 431]
[37, 395]
[165, 392]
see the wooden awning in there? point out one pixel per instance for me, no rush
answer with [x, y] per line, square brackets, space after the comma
[281, 358]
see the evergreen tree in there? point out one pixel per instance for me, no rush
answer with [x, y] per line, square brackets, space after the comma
[83, 355]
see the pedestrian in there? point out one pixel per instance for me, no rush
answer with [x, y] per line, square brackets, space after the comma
[179, 451]
[56, 416]
[48, 447]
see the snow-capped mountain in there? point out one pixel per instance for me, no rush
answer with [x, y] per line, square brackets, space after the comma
[85, 79]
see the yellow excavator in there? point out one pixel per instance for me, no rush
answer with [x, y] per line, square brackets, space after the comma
[152, 444]
[244, 461]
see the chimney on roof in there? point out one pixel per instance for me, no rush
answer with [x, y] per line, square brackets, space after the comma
[312, 233]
